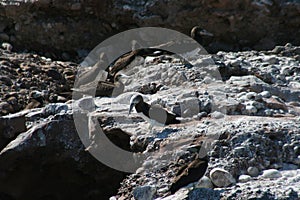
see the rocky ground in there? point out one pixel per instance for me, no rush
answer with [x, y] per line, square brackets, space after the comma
[31, 81]
[239, 106]
[243, 107]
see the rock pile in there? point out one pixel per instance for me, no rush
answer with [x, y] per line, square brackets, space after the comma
[31, 81]
[242, 107]
[270, 82]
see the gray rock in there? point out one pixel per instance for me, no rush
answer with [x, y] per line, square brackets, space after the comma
[204, 182]
[271, 59]
[244, 178]
[251, 95]
[250, 108]
[268, 112]
[55, 108]
[201, 115]
[189, 107]
[204, 193]
[271, 173]
[221, 177]
[242, 97]
[265, 94]
[253, 171]
[217, 115]
[207, 80]
[242, 151]
[144, 192]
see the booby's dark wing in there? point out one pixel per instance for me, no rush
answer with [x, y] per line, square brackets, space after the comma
[153, 113]
[162, 116]
[143, 107]
[190, 173]
[122, 62]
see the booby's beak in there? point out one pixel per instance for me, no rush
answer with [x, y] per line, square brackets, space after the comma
[204, 32]
[130, 108]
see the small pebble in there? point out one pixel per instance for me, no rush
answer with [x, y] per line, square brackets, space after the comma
[265, 94]
[244, 178]
[271, 173]
[253, 171]
[268, 112]
[250, 109]
[217, 115]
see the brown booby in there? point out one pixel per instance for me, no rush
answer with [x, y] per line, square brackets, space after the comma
[104, 88]
[197, 33]
[155, 115]
[190, 173]
[122, 62]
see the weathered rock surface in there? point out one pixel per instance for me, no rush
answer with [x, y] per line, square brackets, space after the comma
[248, 123]
[75, 27]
